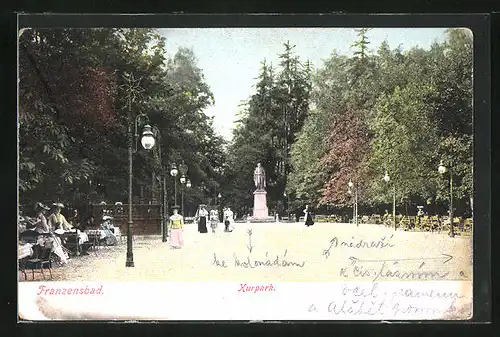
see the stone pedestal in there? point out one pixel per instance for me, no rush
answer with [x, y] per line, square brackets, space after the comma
[260, 210]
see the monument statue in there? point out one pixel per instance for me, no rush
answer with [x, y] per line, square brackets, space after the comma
[259, 177]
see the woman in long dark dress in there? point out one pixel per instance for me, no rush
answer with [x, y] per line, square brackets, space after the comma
[308, 215]
[202, 220]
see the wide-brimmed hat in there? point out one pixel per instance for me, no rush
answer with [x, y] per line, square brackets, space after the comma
[107, 217]
[39, 205]
[58, 204]
[175, 207]
[59, 231]
[118, 203]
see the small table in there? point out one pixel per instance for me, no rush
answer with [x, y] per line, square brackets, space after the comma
[75, 239]
[24, 251]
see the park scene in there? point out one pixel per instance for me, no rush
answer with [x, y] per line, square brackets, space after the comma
[245, 154]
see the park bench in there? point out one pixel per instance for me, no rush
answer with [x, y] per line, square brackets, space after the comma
[321, 218]
[404, 223]
[375, 219]
[188, 220]
[334, 218]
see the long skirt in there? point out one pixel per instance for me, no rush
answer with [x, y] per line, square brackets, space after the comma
[228, 227]
[309, 220]
[214, 223]
[176, 238]
[202, 225]
[110, 238]
[58, 249]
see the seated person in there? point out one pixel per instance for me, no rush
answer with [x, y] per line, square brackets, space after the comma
[108, 228]
[57, 220]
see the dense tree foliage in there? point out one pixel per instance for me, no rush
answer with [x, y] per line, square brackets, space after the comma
[356, 117]
[73, 106]
[267, 130]
[392, 111]
[379, 110]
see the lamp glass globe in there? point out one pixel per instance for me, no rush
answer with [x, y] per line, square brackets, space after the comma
[148, 142]
[148, 139]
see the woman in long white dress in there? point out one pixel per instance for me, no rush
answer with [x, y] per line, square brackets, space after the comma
[214, 220]
[230, 216]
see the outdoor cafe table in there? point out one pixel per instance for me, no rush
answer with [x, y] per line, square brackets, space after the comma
[95, 232]
[82, 236]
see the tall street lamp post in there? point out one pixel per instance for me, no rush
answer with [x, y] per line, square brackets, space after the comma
[188, 185]
[134, 91]
[387, 179]
[173, 173]
[286, 205]
[442, 170]
[219, 207]
[163, 212]
[355, 210]
[183, 182]
[183, 171]
[147, 142]
[287, 200]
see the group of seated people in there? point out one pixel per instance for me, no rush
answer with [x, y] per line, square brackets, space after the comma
[54, 228]
[47, 230]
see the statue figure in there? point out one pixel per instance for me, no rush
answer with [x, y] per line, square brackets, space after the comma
[259, 178]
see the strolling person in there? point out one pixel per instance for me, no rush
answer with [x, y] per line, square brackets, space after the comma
[228, 219]
[176, 225]
[202, 219]
[214, 220]
[308, 216]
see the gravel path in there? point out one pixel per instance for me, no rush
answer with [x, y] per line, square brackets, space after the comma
[300, 251]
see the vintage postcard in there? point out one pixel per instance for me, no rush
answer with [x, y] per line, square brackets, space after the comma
[245, 173]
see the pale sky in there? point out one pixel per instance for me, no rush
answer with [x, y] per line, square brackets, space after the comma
[230, 57]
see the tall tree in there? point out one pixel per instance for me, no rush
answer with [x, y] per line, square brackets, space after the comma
[73, 113]
[268, 128]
